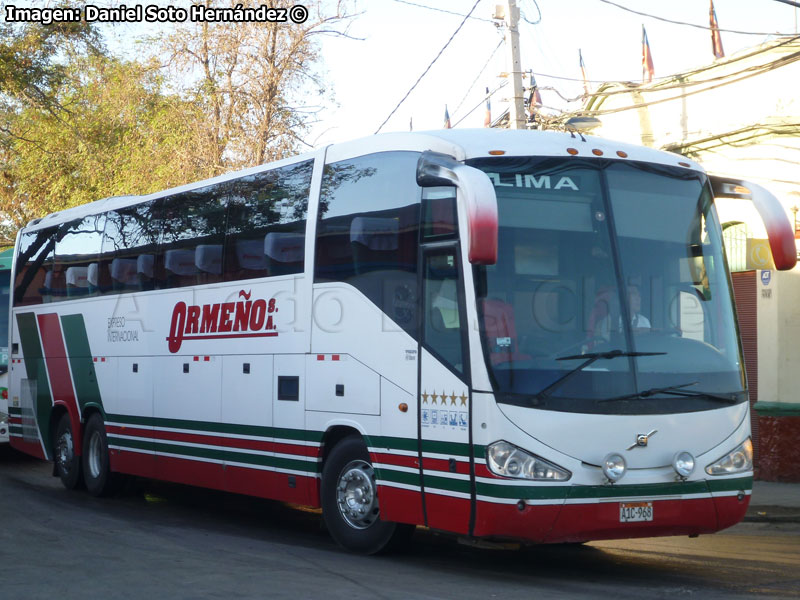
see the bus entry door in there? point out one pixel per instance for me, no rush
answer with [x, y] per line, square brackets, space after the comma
[447, 466]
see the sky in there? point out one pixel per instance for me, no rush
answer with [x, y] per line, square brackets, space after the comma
[369, 76]
[392, 42]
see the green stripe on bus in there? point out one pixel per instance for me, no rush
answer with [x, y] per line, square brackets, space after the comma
[214, 454]
[410, 445]
[544, 492]
[36, 370]
[278, 433]
[445, 483]
[398, 476]
[15, 429]
[391, 443]
[15, 411]
[81, 363]
[523, 492]
[730, 485]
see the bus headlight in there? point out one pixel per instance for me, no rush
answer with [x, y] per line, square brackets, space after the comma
[738, 460]
[507, 460]
[683, 463]
[614, 467]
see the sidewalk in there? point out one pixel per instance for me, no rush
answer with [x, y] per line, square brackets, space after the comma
[774, 502]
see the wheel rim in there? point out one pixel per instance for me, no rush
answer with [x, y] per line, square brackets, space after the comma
[356, 495]
[65, 451]
[95, 455]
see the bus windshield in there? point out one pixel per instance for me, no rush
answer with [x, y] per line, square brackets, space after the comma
[610, 294]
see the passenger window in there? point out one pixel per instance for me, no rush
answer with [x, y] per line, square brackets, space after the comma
[267, 223]
[34, 267]
[192, 228]
[128, 251]
[75, 266]
[368, 231]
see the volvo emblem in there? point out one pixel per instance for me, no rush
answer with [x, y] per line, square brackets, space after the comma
[642, 439]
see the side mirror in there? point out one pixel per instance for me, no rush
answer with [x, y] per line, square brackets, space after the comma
[779, 230]
[477, 194]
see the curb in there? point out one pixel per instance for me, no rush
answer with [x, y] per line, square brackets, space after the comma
[772, 514]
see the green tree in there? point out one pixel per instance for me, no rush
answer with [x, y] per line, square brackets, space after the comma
[258, 84]
[114, 133]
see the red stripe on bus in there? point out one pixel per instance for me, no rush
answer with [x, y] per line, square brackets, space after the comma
[58, 371]
[448, 513]
[437, 464]
[396, 460]
[211, 440]
[400, 505]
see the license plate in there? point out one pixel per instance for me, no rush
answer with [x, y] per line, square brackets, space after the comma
[631, 512]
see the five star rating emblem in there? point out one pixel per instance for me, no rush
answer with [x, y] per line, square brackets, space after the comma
[436, 399]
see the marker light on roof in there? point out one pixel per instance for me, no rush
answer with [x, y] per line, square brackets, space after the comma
[497, 152]
[572, 151]
[684, 164]
[597, 152]
[622, 154]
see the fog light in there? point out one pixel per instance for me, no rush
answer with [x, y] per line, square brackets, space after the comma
[614, 467]
[683, 463]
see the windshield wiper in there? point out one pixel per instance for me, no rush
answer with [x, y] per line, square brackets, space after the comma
[674, 390]
[590, 358]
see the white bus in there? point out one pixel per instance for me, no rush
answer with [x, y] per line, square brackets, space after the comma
[499, 334]
[6, 257]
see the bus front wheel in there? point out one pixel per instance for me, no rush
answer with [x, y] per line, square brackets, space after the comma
[96, 471]
[68, 463]
[350, 500]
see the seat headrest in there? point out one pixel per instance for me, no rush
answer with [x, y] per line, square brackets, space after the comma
[180, 262]
[285, 247]
[375, 233]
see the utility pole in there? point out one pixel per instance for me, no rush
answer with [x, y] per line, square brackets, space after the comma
[517, 116]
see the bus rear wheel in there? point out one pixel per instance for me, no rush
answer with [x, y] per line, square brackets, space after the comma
[350, 500]
[96, 470]
[68, 463]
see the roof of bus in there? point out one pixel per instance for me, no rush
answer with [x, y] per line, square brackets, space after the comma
[462, 144]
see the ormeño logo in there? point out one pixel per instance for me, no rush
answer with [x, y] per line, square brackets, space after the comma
[243, 319]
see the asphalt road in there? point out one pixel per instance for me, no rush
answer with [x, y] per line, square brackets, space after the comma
[163, 541]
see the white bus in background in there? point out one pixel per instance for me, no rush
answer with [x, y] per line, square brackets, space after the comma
[499, 334]
[6, 257]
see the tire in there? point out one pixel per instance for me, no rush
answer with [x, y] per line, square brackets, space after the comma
[96, 470]
[67, 462]
[350, 501]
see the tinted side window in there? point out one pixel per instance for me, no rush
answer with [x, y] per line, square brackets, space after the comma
[267, 223]
[128, 250]
[368, 232]
[192, 237]
[75, 266]
[34, 267]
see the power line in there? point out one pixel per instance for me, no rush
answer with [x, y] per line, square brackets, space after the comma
[472, 85]
[727, 62]
[528, 21]
[790, 3]
[750, 72]
[643, 14]
[489, 95]
[425, 72]
[442, 10]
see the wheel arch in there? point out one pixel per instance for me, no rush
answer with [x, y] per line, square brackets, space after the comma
[335, 434]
